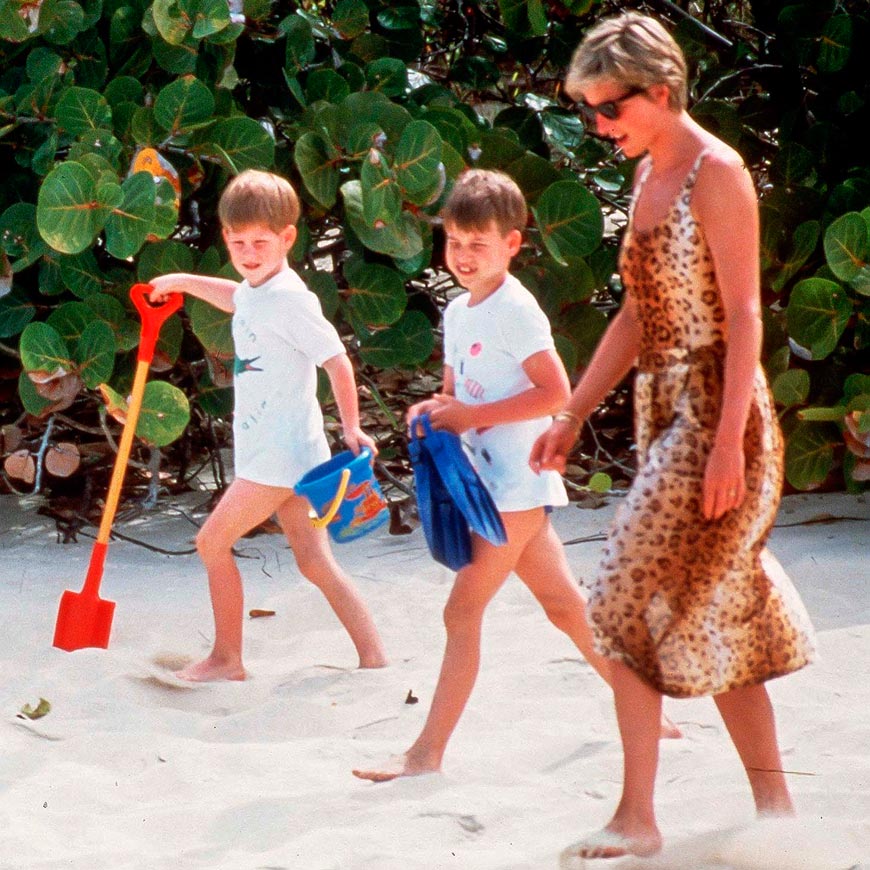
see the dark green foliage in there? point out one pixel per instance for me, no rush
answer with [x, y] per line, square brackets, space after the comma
[122, 120]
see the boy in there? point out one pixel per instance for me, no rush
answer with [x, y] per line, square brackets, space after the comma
[502, 381]
[280, 336]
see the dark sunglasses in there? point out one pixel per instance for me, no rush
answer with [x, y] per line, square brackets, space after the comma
[609, 109]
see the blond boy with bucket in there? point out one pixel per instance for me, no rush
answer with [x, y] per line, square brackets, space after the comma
[280, 337]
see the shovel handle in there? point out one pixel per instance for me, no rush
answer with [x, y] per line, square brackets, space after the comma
[153, 317]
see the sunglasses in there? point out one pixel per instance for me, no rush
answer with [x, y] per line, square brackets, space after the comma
[609, 109]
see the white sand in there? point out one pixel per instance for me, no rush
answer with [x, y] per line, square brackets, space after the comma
[131, 769]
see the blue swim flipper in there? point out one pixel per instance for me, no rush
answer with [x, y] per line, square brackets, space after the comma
[452, 499]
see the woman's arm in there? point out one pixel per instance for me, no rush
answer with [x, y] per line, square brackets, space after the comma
[613, 359]
[216, 291]
[730, 225]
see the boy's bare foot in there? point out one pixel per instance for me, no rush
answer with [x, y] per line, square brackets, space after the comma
[398, 765]
[212, 670]
[607, 843]
[670, 731]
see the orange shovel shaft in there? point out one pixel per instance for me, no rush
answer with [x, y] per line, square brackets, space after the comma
[124, 447]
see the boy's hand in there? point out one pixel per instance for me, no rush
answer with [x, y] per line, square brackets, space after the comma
[447, 412]
[416, 410]
[163, 286]
[356, 439]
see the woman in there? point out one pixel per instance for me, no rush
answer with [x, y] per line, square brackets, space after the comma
[687, 601]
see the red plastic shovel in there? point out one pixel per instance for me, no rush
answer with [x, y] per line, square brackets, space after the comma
[84, 619]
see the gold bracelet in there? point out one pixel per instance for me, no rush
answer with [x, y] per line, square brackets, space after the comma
[566, 417]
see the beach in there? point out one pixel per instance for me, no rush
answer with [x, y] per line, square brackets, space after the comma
[132, 768]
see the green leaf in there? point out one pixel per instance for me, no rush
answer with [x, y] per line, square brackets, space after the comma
[817, 314]
[161, 258]
[376, 294]
[809, 454]
[60, 21]
[600, 482]
[847, 246]
[81, 110]
[318, 168]
[43, 350]
[67, 213]
[245, 142]
[835, 44]
[419, 170]
[31, 401]
[171, 22]
[211, 326]
[19, 238]
[388, 76]
[570, 220]
[95, 354]
[183, 104]
[15, 313]
[208, 16]
[300, 44]
[130, 224]
[803, 243]
[324, 286]
[410, 342]
[70, 320]
[381, 197]
[350, 18]
[327, 85]
[400, 240]
[791, 388]
[165, 414]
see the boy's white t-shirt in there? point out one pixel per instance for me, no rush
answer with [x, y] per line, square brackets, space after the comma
[280, 337]
[486, 345]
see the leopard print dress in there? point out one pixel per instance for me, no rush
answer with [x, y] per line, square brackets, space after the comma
[694, 606]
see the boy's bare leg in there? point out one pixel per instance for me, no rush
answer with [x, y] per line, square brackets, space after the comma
[243, 507]
[544, 568]
[472, 591]
[316, 562]
[748, 716]
[633, 829]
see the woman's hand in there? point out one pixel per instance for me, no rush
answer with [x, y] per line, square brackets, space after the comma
[724, 485]
[550, 450]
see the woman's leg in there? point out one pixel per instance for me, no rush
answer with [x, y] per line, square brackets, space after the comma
[544, 568]
[314, 557]
[633, 829]
[748, 716]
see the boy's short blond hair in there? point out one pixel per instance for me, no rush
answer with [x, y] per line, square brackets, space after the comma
[257, 197]
[634, 51]
[481, 196]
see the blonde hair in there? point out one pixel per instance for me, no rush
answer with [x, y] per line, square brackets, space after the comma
[257, 197]
[483, 195]
[632, 50]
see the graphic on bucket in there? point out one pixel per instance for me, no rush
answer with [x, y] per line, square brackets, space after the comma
[345, 495]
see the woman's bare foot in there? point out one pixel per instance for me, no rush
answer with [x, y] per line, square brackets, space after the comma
[608, 843]
[212, 670]
[669, 730]
[398, 765]
[375, 661]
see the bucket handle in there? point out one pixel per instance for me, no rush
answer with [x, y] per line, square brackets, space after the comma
[326, 519]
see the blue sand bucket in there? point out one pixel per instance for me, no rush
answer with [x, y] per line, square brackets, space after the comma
[345, 496]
